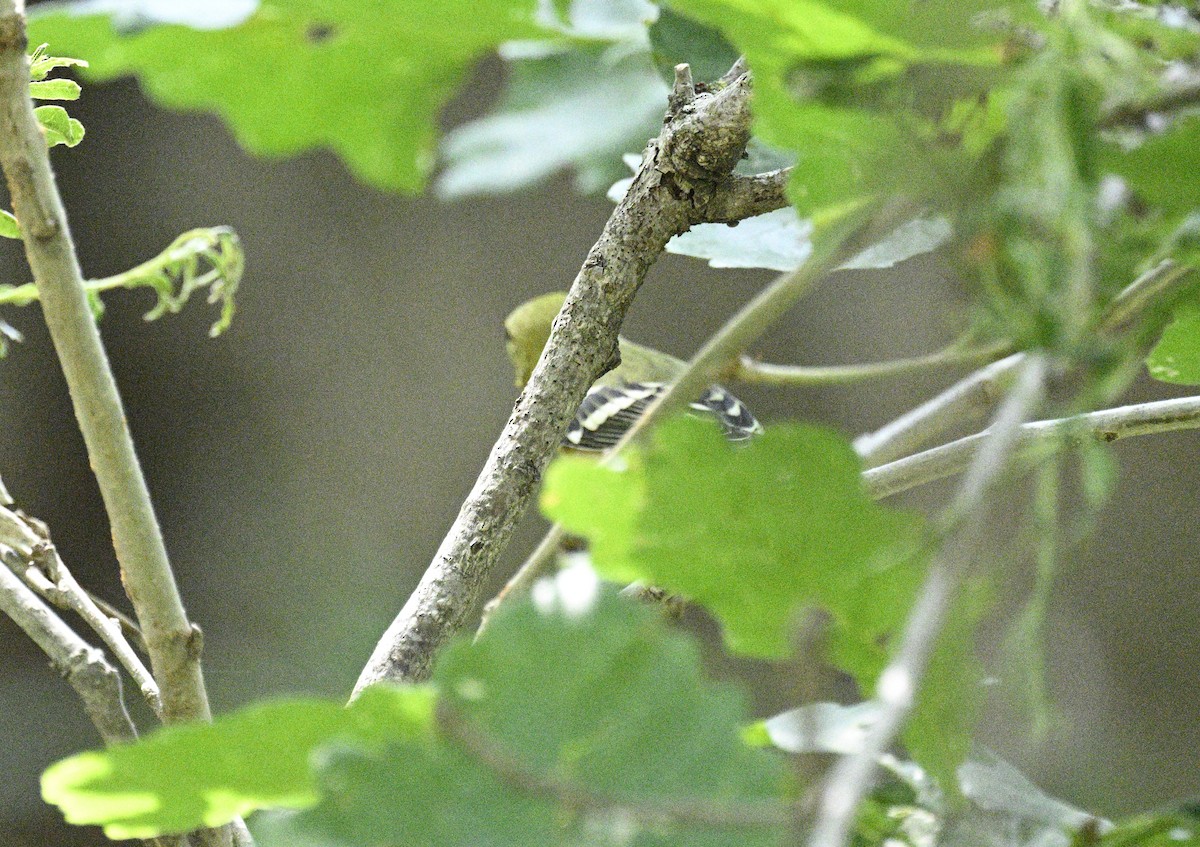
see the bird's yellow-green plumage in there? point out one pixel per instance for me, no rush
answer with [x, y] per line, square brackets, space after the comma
[528, 329]
[620, 396]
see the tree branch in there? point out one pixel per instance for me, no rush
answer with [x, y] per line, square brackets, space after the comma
[966, 400]
[95, 681]
[1105, 426]
[146, 572]
[740, 197]
[702, 139]
[970, 398]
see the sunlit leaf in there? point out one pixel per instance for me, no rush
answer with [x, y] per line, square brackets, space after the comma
[183, 777]
[355, 77]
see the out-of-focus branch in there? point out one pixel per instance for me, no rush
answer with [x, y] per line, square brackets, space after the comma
[1106, 426]
[850, 779]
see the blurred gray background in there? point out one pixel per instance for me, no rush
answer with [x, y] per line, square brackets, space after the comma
[306, 464]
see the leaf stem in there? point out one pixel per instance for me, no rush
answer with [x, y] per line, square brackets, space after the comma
[958, 353]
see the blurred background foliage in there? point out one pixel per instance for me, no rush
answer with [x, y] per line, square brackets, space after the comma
[306, 464]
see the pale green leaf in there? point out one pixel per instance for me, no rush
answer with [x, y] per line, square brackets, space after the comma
[1176, 357]
[183, 777]
[54, 89]
[8, 225]
[579, 109]
[58, 126]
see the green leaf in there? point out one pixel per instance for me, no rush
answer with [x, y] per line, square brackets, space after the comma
[693, 515]
[834, 82]
[1164, 171]
[183, 777]
[55, 89]
[41, 63]
[1176, 357]
[1179, 828]
[58, 126]
[675, 38]
[591, 708]
[8, 225]
[581, 109]
[364, 79]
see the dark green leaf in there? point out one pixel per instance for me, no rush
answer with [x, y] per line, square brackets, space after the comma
[675, 38]
[1164, 171]
[184, 777]
[353, 76]
[558, 726]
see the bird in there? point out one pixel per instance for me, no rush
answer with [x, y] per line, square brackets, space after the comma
[620, 396]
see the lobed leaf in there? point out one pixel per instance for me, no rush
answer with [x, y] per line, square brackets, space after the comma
[184, 777]
[297, 74]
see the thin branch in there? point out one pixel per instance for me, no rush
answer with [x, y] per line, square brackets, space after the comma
[65, 591]
[1105, 426]
[740, 197]
[146, 572]
[699, 812]
[850, 779]
[970, 398]
[750, 370]
[1156, 285]
[966, 400]
[95, 681]
[1170, 99]
[697, 148]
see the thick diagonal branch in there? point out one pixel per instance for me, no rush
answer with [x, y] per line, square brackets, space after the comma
[682, 171]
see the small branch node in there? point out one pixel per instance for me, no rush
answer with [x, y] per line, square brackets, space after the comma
[683, 93]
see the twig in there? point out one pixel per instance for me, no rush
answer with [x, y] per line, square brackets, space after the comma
[748, 369]
[1106, 426]
[699, 812]
[64, 590]
[740, 197]
[964, 401]
[851, 777]
[1170, 99]
[970, 398]
[701, 141]
[95, 681]
[830, 250]
[171, 639]
[1154, 286]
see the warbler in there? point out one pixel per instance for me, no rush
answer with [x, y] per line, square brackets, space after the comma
[620, 396]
